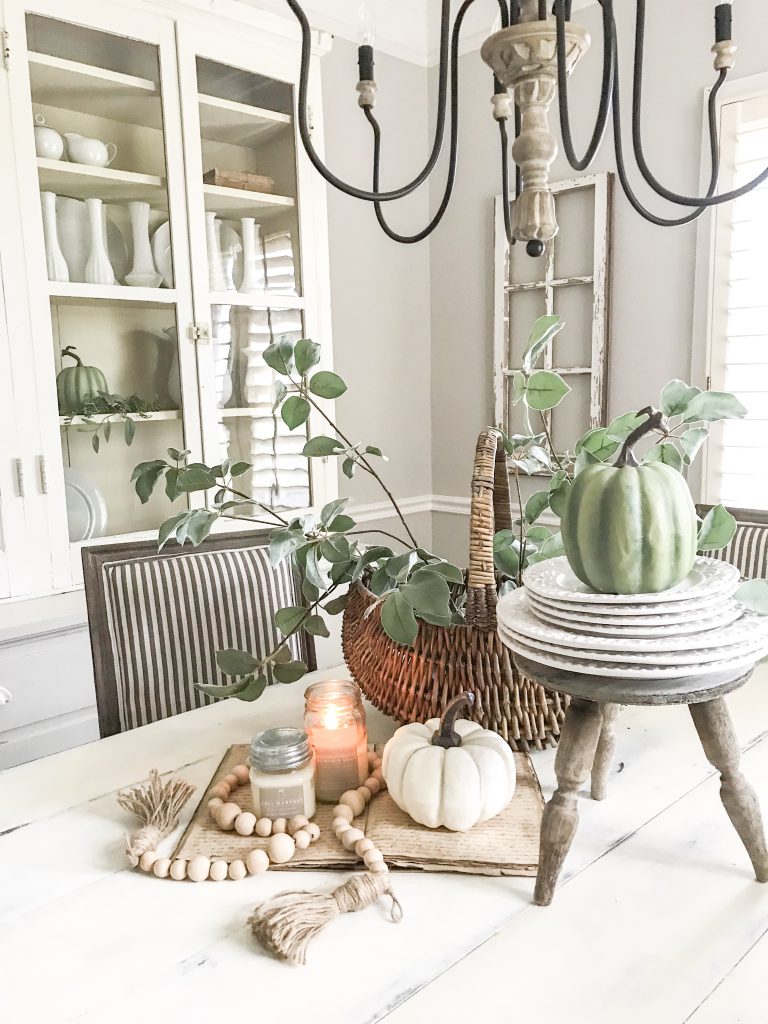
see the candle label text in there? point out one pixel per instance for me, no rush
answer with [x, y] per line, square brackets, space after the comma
[281, 802]
[337, 772]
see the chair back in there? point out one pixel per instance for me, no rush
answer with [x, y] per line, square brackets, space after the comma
[156, 621]
[748, 550]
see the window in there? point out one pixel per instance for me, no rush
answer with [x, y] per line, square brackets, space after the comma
[737, 357]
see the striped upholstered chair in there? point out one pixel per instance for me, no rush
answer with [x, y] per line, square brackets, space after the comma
[157, 620]
[749, 548]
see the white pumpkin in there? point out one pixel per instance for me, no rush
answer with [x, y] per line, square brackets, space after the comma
[447, 772]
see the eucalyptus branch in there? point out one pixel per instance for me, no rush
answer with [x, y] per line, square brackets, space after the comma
[258, 504]
[392, 536]
[555, 456]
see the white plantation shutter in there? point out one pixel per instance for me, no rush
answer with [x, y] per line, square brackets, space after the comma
[737, 457]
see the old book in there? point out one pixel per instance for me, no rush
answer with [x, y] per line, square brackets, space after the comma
[239, 179]
[506, 845]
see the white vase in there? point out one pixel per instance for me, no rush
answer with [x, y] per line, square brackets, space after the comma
[143, 273]
[217, 282]
[54, 257]
[253, 259]
[98, 269]
[174, 382]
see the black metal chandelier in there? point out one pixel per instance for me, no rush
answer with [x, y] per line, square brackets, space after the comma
[531, 57]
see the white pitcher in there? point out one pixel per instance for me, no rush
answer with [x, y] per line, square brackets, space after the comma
[93, 152]
[48, 142]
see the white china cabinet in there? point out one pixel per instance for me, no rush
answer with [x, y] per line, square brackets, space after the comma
[162, 227]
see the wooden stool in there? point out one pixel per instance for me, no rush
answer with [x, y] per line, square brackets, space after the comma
[587, 742]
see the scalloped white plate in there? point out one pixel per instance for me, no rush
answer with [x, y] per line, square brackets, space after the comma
[627, 628]
[697, 606]
[554, 579]
[716, 614]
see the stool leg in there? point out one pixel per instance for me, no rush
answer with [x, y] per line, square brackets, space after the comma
[713, 724]
[606, 748]
[574, 758]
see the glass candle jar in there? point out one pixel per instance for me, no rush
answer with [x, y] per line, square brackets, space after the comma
[334, 718]
[282, 774]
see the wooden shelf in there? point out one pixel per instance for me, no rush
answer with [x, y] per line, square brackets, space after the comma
[79, 181]
[151, 417]
[257, 300]
[238, 123]
[235, 202]
[75, 293]
[88, 89]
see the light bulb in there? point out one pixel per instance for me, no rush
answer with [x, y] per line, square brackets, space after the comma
[366, 31]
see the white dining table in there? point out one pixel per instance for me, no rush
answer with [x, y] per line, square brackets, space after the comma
[656, 879]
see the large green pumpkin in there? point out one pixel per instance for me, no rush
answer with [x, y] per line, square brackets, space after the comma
[76, 383]
[630, 529]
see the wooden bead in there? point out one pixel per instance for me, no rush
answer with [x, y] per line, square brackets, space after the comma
[213, 806]
[340, 826]
[162, 867]
[342, 811]
[376, 773]
[314, 831]
[221, 791]
[372, 785]
[297, 823]
[362, 846]
[354, 801]
[280, 848]
[237, 870]
[219, 870]
[350, 837]
[279, 825]
[377, 867]
[264, 827]
[372, 857]
[178, 870]
[373, 757]
[198, 868]
[225, 816]
[364, 792]
[148, 859]
[245, 823]
[232, 781]
[302, 839]
[242, 774]
[256, 862]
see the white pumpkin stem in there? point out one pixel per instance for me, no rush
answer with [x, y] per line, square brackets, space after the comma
[656, 421]
[446, 736]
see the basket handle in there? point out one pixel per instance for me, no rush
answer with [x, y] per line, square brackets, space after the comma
[491, 510]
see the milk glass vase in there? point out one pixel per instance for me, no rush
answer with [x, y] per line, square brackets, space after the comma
[98, 269]
[253, 262]
[217, 281]
[143, 273]
[55, 263]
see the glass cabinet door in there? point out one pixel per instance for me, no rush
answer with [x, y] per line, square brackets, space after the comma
[110, 252]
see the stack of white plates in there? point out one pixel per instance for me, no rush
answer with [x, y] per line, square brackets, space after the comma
[695, 628]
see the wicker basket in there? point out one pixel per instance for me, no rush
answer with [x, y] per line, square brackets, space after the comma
[415, 683]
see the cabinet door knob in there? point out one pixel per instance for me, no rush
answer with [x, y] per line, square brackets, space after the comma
[5, 696]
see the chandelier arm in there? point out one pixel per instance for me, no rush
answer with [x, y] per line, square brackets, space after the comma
[454, 145]
[330, 177]
[674, 197]
[511, 240]
[562, 13]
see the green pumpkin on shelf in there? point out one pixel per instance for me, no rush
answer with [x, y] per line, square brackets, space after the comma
[630, 528]
[76, 383]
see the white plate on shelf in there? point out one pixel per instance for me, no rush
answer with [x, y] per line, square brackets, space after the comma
[555, 580]
[631, 629]
[588, 620]
[74, 239]
[696, 606]
[86, 507]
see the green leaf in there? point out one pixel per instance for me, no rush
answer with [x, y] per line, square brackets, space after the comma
[95, 442]
[108, 431]
[325, 384]
[754, 595]
[519, 384]
[675, 397]
[194, 479]
[538, 534]
[239, 468]
[714, 405]
[599, 442]
[399, 566]
[287, 619]
[372, 554]
[283, 543]
[380, 581]
[222, 691]
[536, 505]
[341, 524]
[129, 430]
[451, 572]
[143, 467]
[691, 441]
[233, 662]
[559, 488]
[315, 624]
[295, 411]
[583, 459]
[398, 619]
[545, 390]
[171, 488]
[717, 530]
[371, 449]
[341, 572]
[348, 468]
[254, 689]
[336, 604]
[310, 591]
[321, 445]
[282, 655]
[290, 671]
[435, 620]
[506, 555]
[666, 453]
[332, 509]
[315, 574]
[335, 549]
[544, 329]
[306, 355]
[620, 428]
[199, 525]
[279, 356]
[427, 591]
[553, 547]
[168, 529]
[145, 484]
[280, 392]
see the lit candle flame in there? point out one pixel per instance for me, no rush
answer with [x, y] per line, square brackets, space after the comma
[331, 718]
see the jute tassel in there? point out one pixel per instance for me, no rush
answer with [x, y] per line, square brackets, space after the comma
[157, 806]
[286, 924]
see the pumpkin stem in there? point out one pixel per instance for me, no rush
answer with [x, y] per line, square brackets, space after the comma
[655, 421]
[446, 735]
[70, 351]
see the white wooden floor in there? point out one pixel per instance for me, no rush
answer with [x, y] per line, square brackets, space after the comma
[658, 917]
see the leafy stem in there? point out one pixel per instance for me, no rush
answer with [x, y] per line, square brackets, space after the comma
[555, 456]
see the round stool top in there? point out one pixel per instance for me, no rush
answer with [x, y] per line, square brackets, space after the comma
[683, 690]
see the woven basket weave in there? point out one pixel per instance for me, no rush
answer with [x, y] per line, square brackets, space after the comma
[415, 683]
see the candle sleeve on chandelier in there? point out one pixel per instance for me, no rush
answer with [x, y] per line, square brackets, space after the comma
[365, 62]
[723, 22]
